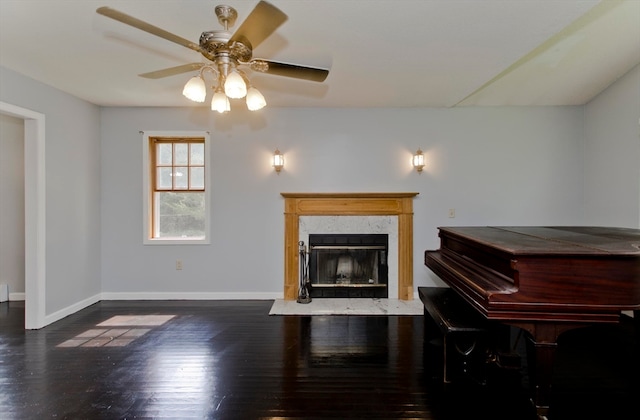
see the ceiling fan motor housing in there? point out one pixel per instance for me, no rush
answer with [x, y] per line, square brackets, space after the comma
[213, 43]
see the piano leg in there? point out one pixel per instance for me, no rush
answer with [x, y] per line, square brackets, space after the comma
[541, 356]
[541, 353]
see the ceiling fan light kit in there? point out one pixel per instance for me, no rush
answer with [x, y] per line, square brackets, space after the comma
[220, 102]
[227, 52]
[234, 86]
[195, 89]
[255, 100]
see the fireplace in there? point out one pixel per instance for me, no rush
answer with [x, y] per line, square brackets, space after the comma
[348, 265]
[397, 206]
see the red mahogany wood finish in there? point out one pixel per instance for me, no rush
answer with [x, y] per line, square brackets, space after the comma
[545, 280]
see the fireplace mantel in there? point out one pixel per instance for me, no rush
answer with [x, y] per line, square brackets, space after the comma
[348, 204]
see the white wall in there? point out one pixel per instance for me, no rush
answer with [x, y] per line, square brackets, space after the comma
[612, 154]
[12, 205]
[495, 166]
[72, 156]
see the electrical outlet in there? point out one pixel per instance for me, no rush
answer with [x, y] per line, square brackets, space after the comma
[178, 264]
[452, 213]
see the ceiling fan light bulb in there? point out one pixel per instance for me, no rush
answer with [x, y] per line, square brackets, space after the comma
[255, 100]
[195, 89]
[234, 86]
[220, 102]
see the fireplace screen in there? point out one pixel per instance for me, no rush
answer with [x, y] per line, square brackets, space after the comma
[348, 265]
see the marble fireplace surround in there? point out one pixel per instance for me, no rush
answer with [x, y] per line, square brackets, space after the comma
[398, 204]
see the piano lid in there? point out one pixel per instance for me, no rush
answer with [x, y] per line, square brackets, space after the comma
[549, 240]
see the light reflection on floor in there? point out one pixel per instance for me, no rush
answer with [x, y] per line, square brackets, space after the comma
[183, 381]
[117, 337]
[136, 320]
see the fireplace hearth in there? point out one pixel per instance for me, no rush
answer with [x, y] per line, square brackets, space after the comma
[348, 265]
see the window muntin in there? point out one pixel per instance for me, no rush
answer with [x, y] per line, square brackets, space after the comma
[179, 164]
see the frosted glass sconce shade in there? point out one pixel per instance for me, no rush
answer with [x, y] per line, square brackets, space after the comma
[418, 160]
[278, 160]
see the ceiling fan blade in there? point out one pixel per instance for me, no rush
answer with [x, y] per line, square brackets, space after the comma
[172, 71]
[147, 27]
[289, 70]
[263, 20]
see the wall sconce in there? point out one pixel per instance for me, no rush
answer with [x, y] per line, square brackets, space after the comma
[278, 160]
[418, 160]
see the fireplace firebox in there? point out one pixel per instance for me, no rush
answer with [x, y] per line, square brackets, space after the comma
[348, 265]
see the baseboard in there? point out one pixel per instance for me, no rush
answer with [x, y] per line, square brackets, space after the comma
[179, 296]
[190, 296]
[195, 296]
[70, 310]
[17, 296]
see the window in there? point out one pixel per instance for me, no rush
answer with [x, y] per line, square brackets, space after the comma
[175, 178]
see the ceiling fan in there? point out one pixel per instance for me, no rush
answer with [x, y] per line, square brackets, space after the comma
[228, 53]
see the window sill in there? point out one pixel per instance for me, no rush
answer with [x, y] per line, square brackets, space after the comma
[177, 241]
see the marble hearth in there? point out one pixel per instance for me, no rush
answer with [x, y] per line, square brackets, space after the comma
[390, 213]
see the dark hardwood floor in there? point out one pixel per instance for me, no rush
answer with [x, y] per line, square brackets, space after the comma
[231, 360]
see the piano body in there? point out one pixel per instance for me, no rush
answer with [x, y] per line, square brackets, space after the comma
[545, 280]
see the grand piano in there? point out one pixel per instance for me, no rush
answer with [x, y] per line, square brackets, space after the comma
[544, 280]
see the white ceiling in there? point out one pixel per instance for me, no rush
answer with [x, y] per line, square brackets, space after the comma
[381, 53]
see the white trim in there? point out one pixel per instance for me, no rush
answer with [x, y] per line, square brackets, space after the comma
[146, 235]
[152, 241]
[191, 295]
[72, 309]
[17, 296]
[35, 213]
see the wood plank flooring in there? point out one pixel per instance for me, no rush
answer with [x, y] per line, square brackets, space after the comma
[231, 360]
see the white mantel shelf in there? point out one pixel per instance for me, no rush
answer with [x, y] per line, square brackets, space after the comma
[349, 204]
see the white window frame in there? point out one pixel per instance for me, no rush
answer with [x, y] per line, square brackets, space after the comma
[147, 199]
